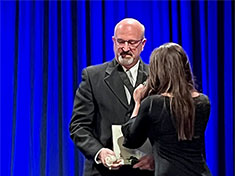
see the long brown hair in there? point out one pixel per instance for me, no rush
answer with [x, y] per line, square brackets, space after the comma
[170, 72]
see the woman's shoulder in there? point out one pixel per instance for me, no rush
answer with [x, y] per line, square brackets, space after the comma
[199, 97]
[202, 100]
[202, 97]
[156, 99]
[154, 103]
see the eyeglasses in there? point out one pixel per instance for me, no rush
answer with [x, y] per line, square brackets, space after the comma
[133, 44]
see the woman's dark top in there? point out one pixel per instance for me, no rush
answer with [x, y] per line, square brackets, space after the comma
[172, 157]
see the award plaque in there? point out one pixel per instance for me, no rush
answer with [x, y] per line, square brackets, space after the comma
[129, 156]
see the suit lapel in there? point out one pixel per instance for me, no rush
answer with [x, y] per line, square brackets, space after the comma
[114, 82]
[142, 73]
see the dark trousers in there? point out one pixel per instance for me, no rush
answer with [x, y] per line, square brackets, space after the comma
[126, 170]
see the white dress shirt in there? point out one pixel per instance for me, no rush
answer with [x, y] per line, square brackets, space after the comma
[132, 75]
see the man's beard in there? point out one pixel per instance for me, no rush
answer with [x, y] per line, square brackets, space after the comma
[126, 60]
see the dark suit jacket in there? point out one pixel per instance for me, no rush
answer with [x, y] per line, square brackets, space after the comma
[100, 102]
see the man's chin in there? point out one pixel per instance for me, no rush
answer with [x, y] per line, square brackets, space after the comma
[126, 61]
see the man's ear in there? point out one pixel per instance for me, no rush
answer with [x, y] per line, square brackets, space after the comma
[113, 38]
[143, 43]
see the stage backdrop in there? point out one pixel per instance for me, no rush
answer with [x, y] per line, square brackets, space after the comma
[45, 46]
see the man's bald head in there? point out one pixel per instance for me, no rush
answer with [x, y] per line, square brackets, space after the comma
[131, 23]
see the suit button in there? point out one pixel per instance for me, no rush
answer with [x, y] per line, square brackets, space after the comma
[128, 114]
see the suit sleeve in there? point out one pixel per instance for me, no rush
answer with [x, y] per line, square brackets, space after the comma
[81, 125]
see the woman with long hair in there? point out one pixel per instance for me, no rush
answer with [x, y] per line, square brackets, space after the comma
[171, 113]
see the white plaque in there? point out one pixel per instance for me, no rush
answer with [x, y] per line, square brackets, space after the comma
[125, 153]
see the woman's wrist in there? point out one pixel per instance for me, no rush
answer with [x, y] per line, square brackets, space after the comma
[136, 109]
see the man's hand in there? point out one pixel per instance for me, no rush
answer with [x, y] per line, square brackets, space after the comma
[145, 163]
[109, 160]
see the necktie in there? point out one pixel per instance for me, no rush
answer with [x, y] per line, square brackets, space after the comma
[131, 78]
[125, 76]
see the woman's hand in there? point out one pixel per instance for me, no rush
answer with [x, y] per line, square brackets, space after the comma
[146, 163]
[138, 94]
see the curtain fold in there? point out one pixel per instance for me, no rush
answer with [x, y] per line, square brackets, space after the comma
[46, 44]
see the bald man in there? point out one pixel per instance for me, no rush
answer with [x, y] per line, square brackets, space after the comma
[104, 98]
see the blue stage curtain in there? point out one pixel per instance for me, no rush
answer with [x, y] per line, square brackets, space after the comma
[46, 44]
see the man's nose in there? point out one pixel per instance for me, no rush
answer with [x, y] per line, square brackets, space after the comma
[126, 46]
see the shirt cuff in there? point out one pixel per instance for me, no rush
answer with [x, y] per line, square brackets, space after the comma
[96, 157]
